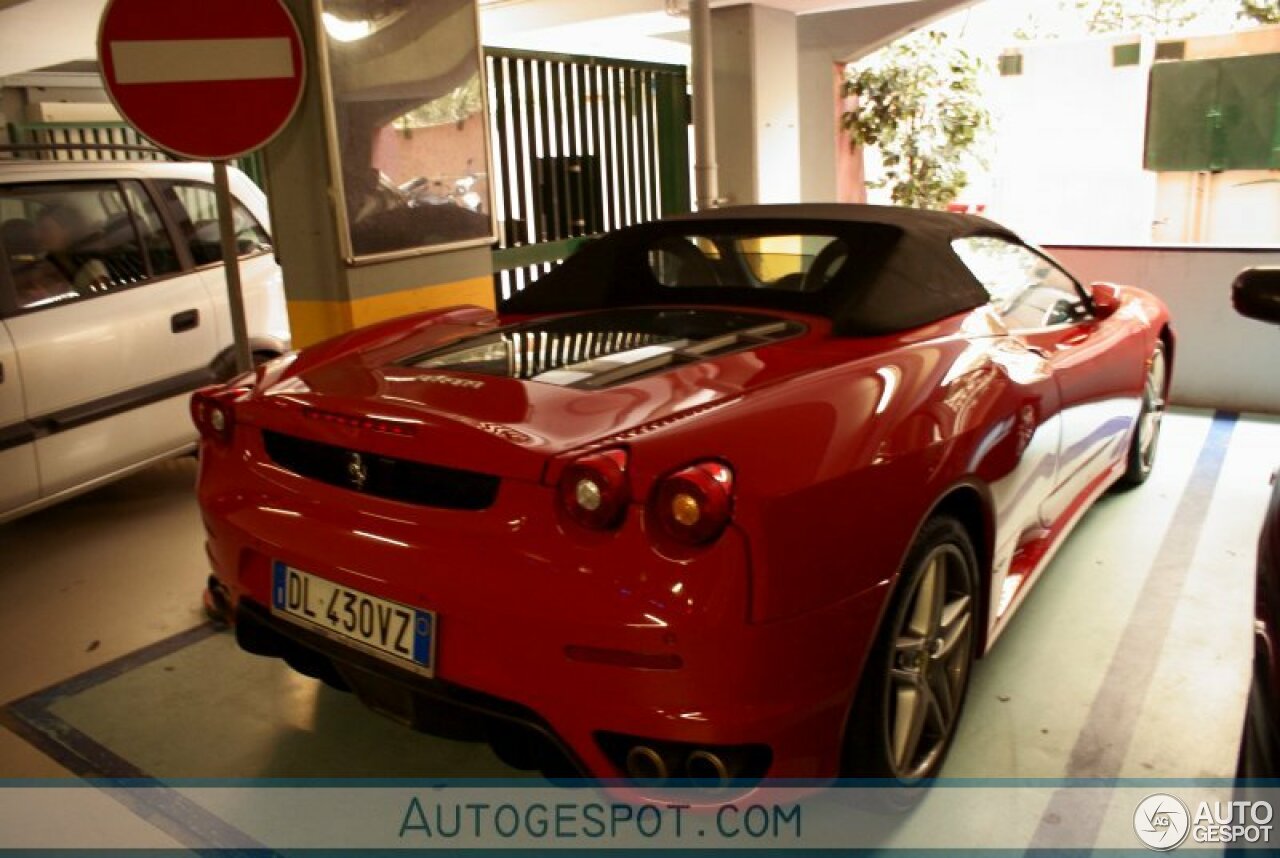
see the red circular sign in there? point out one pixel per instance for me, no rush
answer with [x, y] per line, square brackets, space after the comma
[206, 80]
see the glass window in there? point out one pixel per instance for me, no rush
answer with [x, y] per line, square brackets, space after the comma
[195, 207]
[69, 241]
[1025, 287]
[156, 241]
[789, 263]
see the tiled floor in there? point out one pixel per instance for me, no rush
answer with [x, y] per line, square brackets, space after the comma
[1069, 686]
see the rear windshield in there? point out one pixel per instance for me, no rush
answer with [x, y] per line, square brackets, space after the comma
[786, 263]
[796, 265]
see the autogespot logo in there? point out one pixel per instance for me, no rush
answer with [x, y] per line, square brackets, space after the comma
[1161, 822]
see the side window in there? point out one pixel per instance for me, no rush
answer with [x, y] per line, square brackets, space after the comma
[1028, 290]
[65, 242]
[195, 208]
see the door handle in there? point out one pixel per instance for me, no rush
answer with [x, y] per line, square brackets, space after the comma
[187, 320]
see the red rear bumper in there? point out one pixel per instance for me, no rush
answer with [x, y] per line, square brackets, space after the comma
[513, 587]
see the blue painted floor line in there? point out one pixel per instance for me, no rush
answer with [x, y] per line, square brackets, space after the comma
[1101, 745]
[30, 717]
[189, 824]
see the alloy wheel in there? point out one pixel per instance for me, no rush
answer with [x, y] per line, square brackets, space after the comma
[1153, 413]
[929, 667]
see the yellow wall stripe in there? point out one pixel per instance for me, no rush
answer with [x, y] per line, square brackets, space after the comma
[314, 321]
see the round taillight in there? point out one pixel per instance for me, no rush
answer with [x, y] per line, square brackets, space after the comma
[695, 504]
[594, 491]
[217, 420]
[213, 415]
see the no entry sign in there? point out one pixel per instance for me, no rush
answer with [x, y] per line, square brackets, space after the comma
[206, 79]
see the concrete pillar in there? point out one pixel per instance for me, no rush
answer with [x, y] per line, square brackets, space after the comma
[757, 117]
[829, 170]
[820, 137]
[326, 295]
[706, 171]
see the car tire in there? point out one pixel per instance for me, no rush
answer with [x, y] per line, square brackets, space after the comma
[913, 686]
[224, 365]
[1146, 432]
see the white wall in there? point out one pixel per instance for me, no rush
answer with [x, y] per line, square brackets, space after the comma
[1067, 153]
[1237, 207]
[1223, 360]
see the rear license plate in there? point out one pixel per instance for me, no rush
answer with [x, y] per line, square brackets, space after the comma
[390, 630]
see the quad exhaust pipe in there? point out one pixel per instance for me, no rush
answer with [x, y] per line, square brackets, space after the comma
[644, 763]
[217, 606]
[707, 769]
[702, 767]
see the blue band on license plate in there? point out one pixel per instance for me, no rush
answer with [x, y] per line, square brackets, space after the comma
[279, 586]
[422, 631]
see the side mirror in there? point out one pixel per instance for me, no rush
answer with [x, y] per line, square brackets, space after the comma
[1105, 298]
[1256, 294]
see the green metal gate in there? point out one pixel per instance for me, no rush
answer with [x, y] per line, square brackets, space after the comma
[581, 146]
[93, 141]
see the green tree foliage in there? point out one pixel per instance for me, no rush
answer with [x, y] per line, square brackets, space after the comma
[1075, 18]
[452, 107]
[918, 102]
[1159, 17]
[1260, 11]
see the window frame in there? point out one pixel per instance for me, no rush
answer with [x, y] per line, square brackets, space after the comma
[8, 292]
[152, 277]
[1086, 299]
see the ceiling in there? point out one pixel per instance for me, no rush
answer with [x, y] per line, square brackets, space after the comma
[36, 34]
[657, 30]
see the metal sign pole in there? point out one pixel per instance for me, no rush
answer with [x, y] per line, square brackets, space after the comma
[231, 261]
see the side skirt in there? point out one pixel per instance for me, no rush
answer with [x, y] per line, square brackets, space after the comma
[1032, 558]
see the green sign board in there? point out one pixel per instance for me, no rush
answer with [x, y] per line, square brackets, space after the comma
[1218, 114]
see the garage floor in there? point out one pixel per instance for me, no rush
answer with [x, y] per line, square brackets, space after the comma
[1129, 659]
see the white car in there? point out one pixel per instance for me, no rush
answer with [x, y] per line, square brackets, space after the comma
[113, 308]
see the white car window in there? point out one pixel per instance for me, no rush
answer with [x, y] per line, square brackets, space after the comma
[194, 206]
[66, 242]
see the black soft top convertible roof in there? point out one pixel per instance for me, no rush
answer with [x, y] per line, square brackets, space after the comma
[903, 272]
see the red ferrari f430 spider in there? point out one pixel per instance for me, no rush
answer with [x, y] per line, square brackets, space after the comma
[729, 496]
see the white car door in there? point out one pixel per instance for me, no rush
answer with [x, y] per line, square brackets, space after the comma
[112, 331]
[21, 483]
[193, 206]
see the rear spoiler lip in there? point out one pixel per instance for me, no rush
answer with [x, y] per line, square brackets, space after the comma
[557, 463]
